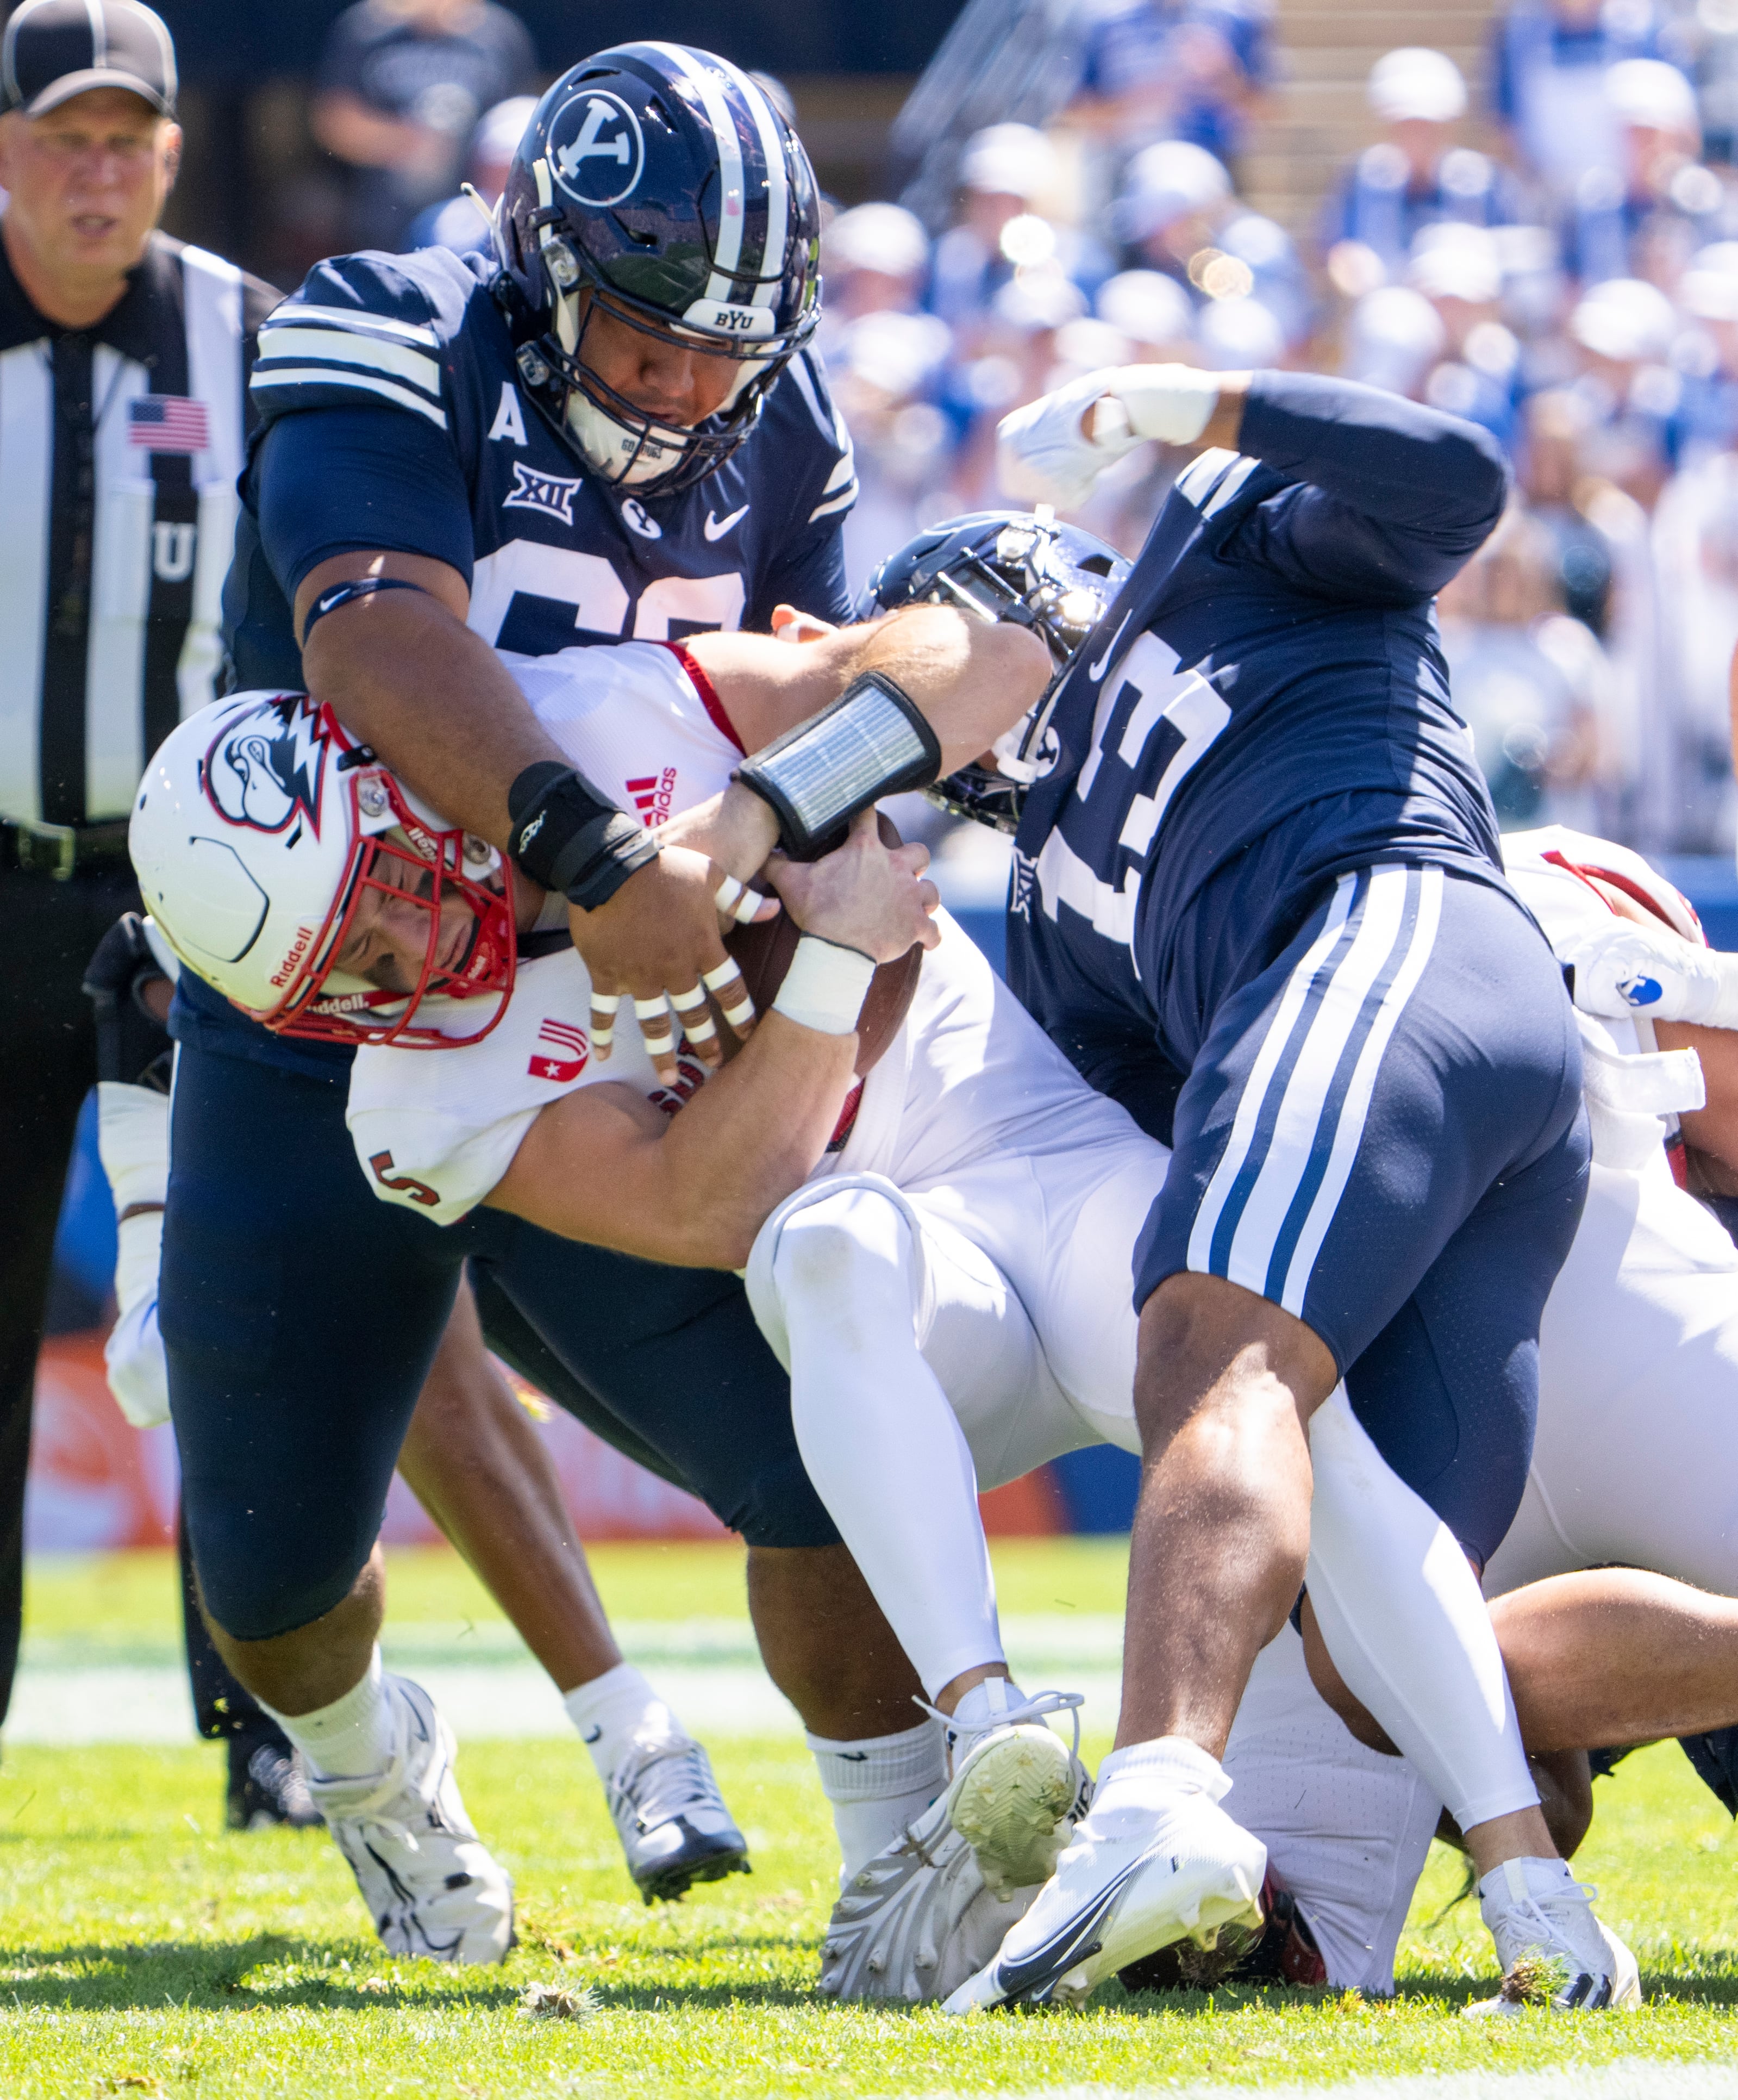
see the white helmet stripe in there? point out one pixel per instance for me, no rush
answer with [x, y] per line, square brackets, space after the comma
[778, 187]
[728, 258]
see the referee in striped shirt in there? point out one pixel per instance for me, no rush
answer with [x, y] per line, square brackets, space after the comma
[124, 358]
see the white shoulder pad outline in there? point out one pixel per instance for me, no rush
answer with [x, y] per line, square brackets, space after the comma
[840, 491]
[347, 348]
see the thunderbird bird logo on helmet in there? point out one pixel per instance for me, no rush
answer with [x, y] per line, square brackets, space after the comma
[267, 770]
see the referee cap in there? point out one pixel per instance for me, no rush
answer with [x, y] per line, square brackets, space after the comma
[55, 49]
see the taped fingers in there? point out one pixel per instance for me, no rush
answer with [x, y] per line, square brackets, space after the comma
[604, 1005]
[725, 984]
[697, 1024]
[657, 1029]
[735, 900]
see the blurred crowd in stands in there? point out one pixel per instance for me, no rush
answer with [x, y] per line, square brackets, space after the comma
[1551, 251]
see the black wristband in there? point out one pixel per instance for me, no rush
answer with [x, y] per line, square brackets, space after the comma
[873, 740]
[567, 838]
[329, 601]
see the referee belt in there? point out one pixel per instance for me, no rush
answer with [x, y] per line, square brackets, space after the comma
[59, 850]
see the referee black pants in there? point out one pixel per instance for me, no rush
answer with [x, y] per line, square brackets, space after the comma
[47, 1065]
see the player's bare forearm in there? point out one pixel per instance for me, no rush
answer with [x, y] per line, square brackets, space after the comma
[402, 670]
[606, 1167]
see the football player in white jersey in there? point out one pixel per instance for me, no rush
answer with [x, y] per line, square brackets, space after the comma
[1612, 1592]
[272, 785]
[950, 1252]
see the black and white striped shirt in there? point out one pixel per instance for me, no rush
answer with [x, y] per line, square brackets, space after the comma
[120, 448]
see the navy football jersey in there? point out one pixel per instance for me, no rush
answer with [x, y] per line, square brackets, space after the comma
[1273, 656]
[390, 417]
[464, 469]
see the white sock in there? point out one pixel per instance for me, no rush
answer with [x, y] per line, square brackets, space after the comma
[876, 1435]
[350, 1739]
[1515, 1880]
[618, 1713]
[878, 1786]
[984, 1704]
[1138, 1786]
[1401, 1614]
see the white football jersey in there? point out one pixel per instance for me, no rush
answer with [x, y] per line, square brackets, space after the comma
[968, 1074]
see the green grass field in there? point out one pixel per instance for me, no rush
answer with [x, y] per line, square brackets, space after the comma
[144, 1949]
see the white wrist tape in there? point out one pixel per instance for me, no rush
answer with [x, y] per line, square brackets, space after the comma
[1172, 403]
[825, 986]
[133, 1138]
[1630, 973]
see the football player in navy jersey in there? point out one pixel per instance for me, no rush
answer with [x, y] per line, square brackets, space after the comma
[611, 429]
[1260, 857]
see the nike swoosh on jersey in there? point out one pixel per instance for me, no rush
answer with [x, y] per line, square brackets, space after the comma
[1095, 672]
[715, 528]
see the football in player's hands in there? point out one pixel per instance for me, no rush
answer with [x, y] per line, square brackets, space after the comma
[763, 954]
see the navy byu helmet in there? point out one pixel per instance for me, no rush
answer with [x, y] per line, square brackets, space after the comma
[663, 183]
[1015, 565]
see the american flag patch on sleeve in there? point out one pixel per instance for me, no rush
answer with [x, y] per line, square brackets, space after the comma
[168, 423]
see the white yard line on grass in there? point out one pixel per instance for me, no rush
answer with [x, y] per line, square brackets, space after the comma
[148, 1703]
[1638, 2079]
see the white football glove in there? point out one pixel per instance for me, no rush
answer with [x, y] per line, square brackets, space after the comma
[1629, 972]
[1043, 455]
[133, 1138]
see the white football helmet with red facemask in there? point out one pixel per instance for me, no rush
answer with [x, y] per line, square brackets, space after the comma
[262, 830]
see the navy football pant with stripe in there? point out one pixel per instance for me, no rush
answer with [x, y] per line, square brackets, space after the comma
[1382, 1133]
[300, 1315]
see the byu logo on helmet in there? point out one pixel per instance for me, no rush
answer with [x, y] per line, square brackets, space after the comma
[266, 769]
[596, 148]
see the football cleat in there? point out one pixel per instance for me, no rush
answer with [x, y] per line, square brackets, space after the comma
[430, 1884]
[1555, 1952]
[918, 1922]
[1186, 1871]
[672, 1821]
[267, 1785]
[1282, 1955]
[1014, 1783]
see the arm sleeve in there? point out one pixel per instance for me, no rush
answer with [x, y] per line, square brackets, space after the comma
[332, 480]
[1393, 499]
